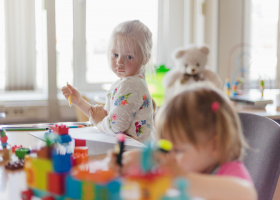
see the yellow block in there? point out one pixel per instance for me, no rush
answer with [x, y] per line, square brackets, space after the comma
[37, 170]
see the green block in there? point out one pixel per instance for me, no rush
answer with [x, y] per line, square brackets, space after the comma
[88, 190]
[21, 152]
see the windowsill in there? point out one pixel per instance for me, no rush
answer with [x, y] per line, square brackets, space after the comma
[8, 96]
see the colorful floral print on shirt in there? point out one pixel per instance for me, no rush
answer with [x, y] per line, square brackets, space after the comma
[146, 102]
[112, 120]
[122, 100]
[140, 126]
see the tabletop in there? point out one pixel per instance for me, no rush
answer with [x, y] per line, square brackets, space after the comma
[13, 182]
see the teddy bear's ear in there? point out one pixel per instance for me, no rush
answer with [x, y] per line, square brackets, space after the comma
[204, 49]
[177, 53]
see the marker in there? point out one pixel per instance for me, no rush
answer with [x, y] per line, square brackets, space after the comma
[25, 129]
[75, 126]
[69, 99]
[164, 146]
[121, 139]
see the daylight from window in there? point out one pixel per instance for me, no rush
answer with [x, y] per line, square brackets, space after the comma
[2, 45]
[101, 18]
[264, 25]
[64, 41]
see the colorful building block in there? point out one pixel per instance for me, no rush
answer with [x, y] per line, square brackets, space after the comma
[80, 143]
[81, 150]
[37, 170]
[73, 188]
[88, 190]
[21, 152]
[48, 198]
[26, 195]
[64, 138]
[56, 183]
[60, 130]
[61, 163]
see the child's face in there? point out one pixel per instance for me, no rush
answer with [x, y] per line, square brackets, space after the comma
[125, 63]
[201, 159]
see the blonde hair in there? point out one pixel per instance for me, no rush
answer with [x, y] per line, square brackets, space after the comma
[189, 115]
[135, 36]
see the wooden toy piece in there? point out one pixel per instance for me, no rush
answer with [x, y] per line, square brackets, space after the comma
[21, 152]
[80, 143]
[26, 195]
[60, 130]
[44, 152]
[56, 183]
[6, 153]
[13, 165]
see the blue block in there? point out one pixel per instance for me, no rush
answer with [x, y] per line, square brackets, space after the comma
[64, 138]
[73, 188]
[114, 188]
[4, 145]
[61, 163]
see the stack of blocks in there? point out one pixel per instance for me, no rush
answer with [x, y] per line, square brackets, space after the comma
[53, 176]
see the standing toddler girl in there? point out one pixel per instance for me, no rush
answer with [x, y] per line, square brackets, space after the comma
[129, 107]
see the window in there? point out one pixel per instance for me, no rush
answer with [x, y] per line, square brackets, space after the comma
[64, 41]
[2, 45]
[101, 18]
[264, 26]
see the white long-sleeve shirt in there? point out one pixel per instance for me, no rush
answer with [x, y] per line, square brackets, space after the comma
[130, 109]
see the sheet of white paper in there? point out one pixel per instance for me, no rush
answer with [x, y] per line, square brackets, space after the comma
[97, 141]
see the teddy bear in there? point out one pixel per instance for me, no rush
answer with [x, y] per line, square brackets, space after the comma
[190, 68]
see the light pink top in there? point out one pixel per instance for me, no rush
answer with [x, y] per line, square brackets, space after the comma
[236, 169]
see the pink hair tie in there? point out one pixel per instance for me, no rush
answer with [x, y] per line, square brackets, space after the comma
[215, 106]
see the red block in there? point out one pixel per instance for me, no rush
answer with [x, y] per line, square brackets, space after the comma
[80, 143]
[56, 183]
[60, 130]
[26, 195]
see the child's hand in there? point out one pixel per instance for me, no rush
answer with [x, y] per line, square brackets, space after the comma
[169, 163]
[130, 160]
[75, 95]
[97, 113]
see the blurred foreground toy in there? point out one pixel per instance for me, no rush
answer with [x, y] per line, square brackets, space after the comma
[5, 150]
[58, 173]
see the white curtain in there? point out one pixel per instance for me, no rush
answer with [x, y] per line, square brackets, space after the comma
[20, 44]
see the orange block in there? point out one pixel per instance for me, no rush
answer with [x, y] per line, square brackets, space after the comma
[81, 150]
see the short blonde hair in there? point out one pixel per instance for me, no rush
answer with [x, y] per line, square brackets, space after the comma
[135, 36]
[189, 115]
